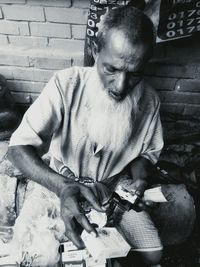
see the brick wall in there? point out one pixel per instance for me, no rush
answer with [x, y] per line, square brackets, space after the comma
[38, 37]
[175, 72]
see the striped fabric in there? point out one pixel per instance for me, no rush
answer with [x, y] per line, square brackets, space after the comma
[59, 117]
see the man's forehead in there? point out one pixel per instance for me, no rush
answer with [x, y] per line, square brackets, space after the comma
[120, 52]
[118, 43]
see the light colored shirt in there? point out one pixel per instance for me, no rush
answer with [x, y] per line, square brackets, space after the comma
[57, 120]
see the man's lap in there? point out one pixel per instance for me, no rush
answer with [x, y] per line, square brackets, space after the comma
[169, 223]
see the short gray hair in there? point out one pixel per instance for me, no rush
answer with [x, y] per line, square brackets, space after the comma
[137, 26]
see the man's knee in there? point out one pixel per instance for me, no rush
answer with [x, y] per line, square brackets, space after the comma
[150, 258]
[139, 259]
[175, 219]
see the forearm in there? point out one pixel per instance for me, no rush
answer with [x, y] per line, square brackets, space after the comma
[140, 168]
[32, 166]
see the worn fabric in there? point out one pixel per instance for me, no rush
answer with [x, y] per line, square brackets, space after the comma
[59, 118]
[169, 223]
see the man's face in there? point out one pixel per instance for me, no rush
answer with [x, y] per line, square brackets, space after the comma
[120, 64]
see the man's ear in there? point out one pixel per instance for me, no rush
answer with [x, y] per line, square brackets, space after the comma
[94, 50]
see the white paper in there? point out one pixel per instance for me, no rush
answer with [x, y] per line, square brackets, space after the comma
[154, 194]
[109, 244]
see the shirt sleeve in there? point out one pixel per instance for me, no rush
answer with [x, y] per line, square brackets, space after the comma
[41, 120]
[153, 142]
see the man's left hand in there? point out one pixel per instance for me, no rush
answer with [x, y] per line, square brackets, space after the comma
[137, 188]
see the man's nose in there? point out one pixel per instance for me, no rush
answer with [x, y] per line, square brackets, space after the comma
[120, 83]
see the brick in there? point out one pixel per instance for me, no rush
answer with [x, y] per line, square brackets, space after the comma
[76, 46]
[9, 27]
[66, 15]
[50, 63]
[13, 60]
[32, 74]
[172, 70]
[1, 14]
[28, 41]
[193, 110]
[56, 3]
[78, 31]
[6, 71]
[81, 4]
[15, 28]
[12, 1]
[29, 13]
[23, 28]
[50, 30]
[25, 86]
[172, 107]
[3, 40]
[78, 61]
[173, 97]
[24, 98]
[160, 83]
[188, 85]
[182, 109]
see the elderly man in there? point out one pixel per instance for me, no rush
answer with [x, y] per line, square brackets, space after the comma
[98, 124]
[97, 10]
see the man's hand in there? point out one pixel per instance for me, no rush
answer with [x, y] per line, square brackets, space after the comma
[137, 188]
[71, 211]
[134, 187]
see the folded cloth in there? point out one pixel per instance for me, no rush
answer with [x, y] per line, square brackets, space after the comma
[38, 228]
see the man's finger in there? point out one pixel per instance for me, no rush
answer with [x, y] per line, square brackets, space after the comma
[80, 216]
[75, 238]
[71, 232]
[84, 222]
[91, 198]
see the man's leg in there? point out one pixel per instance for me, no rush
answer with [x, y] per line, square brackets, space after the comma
[141, 233]
[174, 219]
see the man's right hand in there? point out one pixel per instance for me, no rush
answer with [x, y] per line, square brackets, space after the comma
[71, 210]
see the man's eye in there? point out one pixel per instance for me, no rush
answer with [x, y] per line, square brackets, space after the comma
[109, 70]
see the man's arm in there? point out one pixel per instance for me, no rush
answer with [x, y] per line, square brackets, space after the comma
[29, 163]
[141, 168]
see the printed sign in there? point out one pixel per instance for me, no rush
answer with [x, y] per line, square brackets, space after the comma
[178, 18]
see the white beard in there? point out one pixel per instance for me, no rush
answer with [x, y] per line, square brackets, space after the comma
[110, 123]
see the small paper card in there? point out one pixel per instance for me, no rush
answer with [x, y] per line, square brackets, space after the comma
[109, 244]
[154, 194]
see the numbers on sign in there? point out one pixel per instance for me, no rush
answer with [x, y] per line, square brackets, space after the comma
[191, 12]
[198, 20]
[198, 4]
[180, 23]
[90, 32]
[183, 22]
[181, 14]
[171, 25]
[189, 21]
[93, 15]
[91, 23]
[190, 29]
[94, 8]
[180, 31]
[172, 16]
[170, 34]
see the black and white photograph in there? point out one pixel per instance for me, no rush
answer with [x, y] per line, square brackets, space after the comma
[100, 133]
